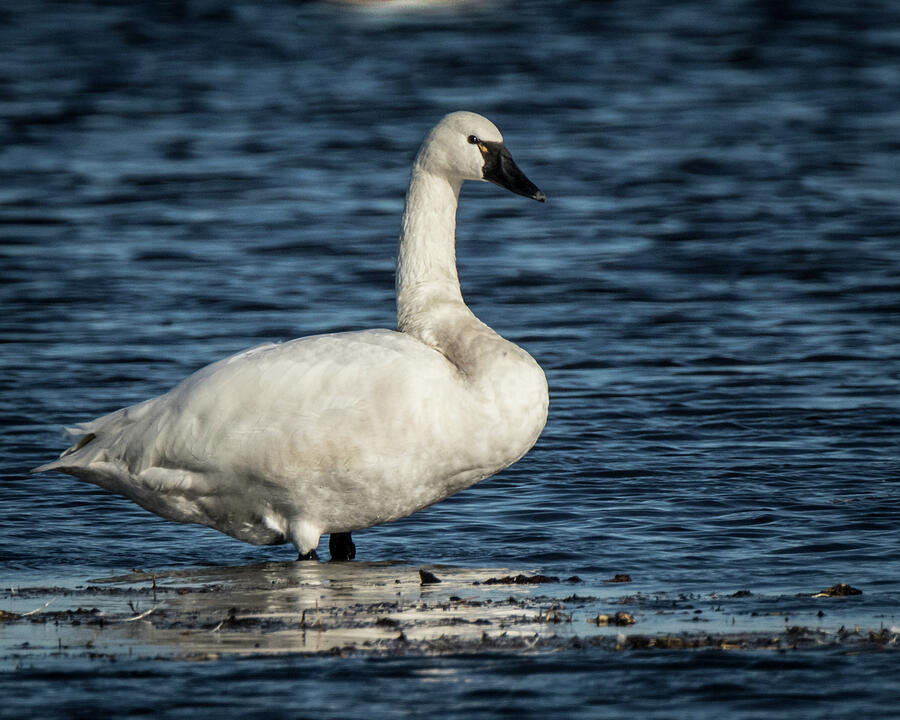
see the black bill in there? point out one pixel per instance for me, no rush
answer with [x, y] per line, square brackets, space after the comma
[500, 168]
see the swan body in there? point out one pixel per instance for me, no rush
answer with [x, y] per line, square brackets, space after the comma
[338, 432]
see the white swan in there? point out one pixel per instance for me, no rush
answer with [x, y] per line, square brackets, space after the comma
[333, 433]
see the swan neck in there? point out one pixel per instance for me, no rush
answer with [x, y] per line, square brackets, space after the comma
[426, 264]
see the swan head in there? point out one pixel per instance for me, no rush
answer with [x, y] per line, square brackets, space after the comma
[467, 146]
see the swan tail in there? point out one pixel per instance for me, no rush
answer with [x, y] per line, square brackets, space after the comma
[61, 463]
[87, 434]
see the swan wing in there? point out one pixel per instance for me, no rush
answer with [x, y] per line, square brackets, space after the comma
[307, 428]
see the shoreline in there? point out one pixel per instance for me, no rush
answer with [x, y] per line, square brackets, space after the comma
[377, 609]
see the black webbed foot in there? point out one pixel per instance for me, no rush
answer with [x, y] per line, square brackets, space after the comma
[341, 546]
[311, 555]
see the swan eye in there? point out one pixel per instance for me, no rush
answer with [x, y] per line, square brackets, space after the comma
[473, 139]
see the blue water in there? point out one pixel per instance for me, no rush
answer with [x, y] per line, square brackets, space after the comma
[713, 290]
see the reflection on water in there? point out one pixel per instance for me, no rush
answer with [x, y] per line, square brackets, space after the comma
[712, 287]
[391, 609]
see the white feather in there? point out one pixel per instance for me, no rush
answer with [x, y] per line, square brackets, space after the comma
[332, 433]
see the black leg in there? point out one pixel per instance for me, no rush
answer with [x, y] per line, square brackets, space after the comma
[311, 555]
[341, 546]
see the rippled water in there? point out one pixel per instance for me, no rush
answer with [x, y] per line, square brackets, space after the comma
[713, 290]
